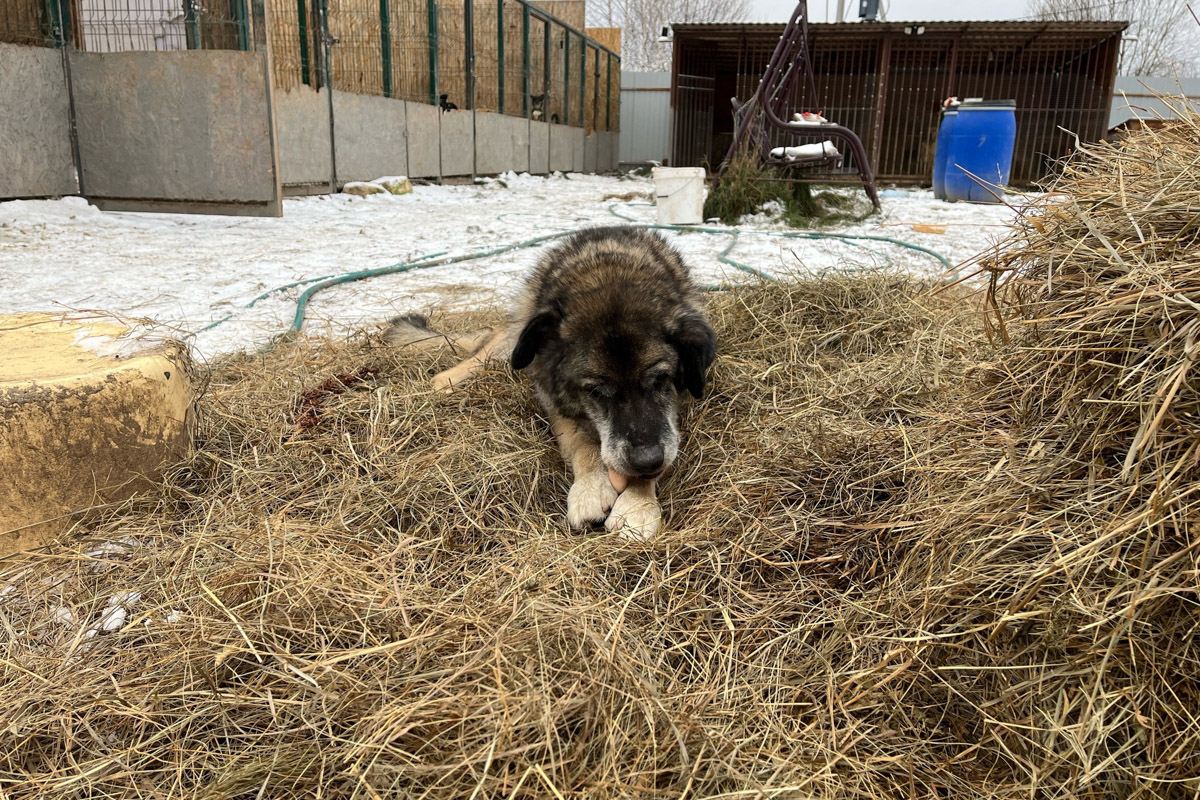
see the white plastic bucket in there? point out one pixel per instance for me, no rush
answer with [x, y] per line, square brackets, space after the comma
[679, 193]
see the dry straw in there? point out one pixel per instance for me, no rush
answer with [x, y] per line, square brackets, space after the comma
[909, 555]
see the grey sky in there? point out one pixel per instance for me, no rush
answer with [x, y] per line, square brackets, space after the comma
[920, 10]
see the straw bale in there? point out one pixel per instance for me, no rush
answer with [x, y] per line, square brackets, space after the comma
[908, 554]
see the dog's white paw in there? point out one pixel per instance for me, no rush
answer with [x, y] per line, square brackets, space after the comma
[635, 516]
[590, 499]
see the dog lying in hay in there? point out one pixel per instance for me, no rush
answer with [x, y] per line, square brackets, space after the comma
[611, 330]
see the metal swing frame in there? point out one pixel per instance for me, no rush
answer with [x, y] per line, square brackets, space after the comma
[767, 109]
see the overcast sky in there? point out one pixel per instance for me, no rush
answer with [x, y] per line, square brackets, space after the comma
[896, 10]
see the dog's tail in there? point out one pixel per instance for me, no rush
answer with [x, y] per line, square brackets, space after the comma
[409, 330]
[412, 331]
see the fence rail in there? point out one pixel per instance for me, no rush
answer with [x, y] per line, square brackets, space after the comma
[504, 56]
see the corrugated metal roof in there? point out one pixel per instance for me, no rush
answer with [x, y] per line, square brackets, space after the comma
[932, 26]
[1137, 97]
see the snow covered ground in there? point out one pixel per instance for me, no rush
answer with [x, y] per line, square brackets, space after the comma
[186, 272]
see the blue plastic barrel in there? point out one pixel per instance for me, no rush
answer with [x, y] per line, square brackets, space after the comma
[982, 144]
[949, 117]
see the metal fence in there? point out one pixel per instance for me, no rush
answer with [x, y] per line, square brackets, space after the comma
[111, 26]
[504, 56]
[886, 81]
[645, 118]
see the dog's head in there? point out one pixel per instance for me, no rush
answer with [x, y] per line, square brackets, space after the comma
[622, 366]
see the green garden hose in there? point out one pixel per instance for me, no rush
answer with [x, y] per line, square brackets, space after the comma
[440, 259]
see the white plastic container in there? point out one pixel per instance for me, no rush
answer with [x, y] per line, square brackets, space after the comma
[679, 193]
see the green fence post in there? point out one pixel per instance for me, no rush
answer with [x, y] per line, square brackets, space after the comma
[525, 30]
[431, 14]
[243, 23]
[500, 50]
[469, 52]
[305, 68]
[546, 82]
[385, 44]
[192, 24]
[582, 83]
[58, 12]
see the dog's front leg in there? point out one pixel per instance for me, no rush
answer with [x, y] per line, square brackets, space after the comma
[495, 347]
[592, 494]
[636, 514]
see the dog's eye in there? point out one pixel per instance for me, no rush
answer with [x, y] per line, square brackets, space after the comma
[599, 392]
[659, 381]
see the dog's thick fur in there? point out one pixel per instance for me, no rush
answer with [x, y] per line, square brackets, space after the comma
[611, 330]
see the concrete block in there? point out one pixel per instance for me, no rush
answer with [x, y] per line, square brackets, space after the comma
[603, 151]
[302, 121]
[35, 158]
[591, 145]
[520, 153]
[562, 156]
[501, 143]
[539, 148]
[458, 143]
[424, 146]
[188, 126]
[577, 150]
[87, 416]
[369, 132]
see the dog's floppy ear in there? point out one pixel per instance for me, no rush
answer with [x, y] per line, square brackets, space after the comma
[542, 326]
[694, 340]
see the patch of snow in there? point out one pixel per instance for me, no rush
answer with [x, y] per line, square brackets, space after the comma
[199, 273]
[114, 615]
[362, 188]
[137, 339]
[120, 546]
[395, 184]
[126, 598]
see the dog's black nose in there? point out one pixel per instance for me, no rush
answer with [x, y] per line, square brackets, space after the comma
[647, 459]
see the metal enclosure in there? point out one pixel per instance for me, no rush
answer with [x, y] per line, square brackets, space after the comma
[886, 82]
[646, 113]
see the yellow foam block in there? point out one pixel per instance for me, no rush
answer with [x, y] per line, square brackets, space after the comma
[88, 415]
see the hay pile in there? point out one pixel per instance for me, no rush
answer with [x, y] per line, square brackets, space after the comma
[909, 555]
